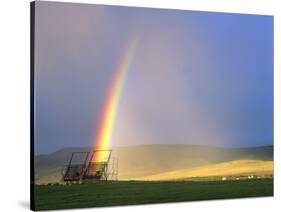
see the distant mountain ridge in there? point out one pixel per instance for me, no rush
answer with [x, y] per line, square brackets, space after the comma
[145, 160]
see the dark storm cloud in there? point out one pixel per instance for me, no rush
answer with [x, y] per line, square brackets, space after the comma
[196, 77]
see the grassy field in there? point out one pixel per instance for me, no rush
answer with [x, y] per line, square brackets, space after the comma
[144, 192]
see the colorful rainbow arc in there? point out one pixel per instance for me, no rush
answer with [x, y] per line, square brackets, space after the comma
[108, 115]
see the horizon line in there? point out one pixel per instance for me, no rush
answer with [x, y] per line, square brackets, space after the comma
[155, 144]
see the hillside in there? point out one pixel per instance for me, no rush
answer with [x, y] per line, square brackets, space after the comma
[147, 160]
[238, 168]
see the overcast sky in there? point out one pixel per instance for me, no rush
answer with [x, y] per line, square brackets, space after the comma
[196, 77]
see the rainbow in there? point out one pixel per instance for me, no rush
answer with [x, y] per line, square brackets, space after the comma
[108, 115]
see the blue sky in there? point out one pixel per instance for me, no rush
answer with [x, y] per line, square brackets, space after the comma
[196, 77]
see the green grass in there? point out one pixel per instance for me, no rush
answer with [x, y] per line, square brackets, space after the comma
[141, 192]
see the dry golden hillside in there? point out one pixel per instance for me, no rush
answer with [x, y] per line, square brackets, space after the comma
[232, 168]
[138, 162]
